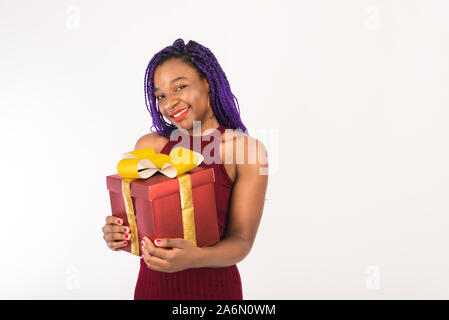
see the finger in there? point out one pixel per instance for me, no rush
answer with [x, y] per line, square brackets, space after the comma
[144, 252]
[151, 266]
[148, 249]
[115, 228]
[157, 264]
[153, 262]
[170, 243]
[114, 220]
[153, 251]
[114, 245]
[115, 236]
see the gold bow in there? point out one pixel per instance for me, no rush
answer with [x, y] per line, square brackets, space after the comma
[142, 164]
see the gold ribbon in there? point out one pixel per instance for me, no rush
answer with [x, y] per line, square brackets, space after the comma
[130, 215]
[188, 218]
[143, 164]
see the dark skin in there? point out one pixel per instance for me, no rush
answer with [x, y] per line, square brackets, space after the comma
[249, 177]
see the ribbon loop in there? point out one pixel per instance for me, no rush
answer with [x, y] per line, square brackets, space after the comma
[145, 162]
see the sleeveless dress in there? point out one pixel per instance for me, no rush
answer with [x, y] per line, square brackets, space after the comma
[197, 283]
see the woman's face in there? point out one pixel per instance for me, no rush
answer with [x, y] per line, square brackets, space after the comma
[181, 95]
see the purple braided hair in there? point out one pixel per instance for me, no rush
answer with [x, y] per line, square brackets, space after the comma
[207, 66]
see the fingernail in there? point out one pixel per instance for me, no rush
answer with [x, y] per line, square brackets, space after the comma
[125, 230]
[119, 221]
[125, 243]
[158, 242]
[127, 236]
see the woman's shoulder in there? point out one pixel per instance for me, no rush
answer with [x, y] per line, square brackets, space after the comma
[242, 140]
[234, 135]
[245, 147]
[151, 140]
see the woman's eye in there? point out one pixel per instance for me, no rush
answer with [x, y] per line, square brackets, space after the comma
[181, 86]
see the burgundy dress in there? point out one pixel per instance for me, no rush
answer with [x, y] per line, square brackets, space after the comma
[198, 283]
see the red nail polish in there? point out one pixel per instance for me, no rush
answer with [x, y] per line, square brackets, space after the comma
[125, 230]
[158, 242]
[125, 243]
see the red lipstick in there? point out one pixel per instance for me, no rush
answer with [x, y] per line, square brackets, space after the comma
[181, 114]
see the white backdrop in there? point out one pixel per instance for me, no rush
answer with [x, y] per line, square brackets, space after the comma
[350, 97]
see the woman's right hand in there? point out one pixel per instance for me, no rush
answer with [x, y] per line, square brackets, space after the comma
[115, 233]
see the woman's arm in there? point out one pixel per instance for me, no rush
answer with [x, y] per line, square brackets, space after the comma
[245, 211]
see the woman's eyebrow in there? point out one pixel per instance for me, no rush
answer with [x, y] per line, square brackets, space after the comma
[174, 80]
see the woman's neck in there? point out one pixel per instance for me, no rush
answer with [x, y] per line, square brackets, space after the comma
[201, 127]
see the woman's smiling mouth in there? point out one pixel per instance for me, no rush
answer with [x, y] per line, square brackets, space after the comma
[178, 116]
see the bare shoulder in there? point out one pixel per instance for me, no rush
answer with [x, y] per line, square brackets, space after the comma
[151, 140]
[235, 136]
[248, 150]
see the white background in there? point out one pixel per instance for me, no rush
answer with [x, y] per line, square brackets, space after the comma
[350, 97]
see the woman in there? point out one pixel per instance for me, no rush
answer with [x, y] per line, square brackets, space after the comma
[186, 85]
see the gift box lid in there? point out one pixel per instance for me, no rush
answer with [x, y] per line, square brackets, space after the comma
[159, 185]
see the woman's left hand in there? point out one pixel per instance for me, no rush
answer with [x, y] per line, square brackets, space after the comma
[170, 255]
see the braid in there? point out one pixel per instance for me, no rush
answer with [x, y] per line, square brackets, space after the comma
[203, 60]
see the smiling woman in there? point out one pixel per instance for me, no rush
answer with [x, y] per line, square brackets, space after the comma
[185, 85]
[195, 67]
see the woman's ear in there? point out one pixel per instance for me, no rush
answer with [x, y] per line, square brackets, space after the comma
[207, 85]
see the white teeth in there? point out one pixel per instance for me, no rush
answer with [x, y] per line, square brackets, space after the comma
[178, 114]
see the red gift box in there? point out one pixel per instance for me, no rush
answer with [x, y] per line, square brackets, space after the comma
[157, 206]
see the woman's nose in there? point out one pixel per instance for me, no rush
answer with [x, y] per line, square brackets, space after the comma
[171, 105]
